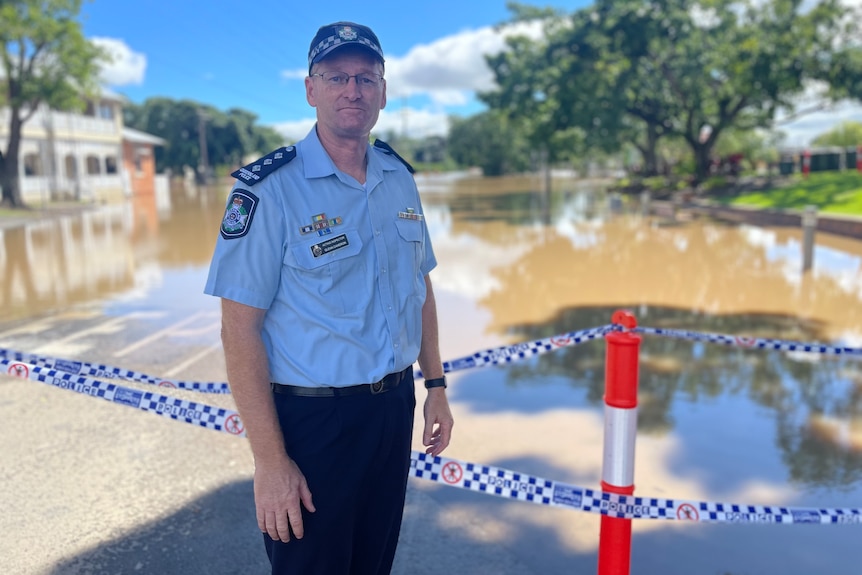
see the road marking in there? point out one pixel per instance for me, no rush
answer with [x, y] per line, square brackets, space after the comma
[178, 368]
[159, 334]
[30, 327]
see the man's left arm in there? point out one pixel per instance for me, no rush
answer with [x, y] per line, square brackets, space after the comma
[438, 417]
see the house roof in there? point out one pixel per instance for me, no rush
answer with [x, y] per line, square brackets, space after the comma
[138, 137]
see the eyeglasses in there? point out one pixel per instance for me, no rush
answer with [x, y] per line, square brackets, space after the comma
[341, 79]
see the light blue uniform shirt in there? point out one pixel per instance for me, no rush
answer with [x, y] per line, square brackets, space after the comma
[344, 306]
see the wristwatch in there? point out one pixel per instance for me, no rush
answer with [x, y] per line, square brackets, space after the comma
[436, 382]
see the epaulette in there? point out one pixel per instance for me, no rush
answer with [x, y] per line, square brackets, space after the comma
[381, 145]
[255, 172]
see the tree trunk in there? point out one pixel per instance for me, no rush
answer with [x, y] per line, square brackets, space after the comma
[9, 179]
[702, 160]
[648, 151]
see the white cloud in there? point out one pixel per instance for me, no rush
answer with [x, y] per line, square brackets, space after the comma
[297, 74]
[295, 130]
[126, 66]
[418, 123]
[453, 64]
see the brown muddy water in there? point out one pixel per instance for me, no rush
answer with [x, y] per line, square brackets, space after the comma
[122, 285]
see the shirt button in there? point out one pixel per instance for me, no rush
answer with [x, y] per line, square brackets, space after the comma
[390, 308]
[383, 270]
[377, 232]
[396, 345]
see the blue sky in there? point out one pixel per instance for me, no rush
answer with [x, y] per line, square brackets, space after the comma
[253, 55]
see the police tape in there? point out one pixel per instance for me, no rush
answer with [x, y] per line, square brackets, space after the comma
[510, 353]
[494, 356]
[216, 418]
[522, 487]
[102, 371]
[455, 473]
[752, 342]
[67, 374]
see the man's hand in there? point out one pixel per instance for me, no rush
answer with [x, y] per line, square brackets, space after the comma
[279, 487]
[438, 422]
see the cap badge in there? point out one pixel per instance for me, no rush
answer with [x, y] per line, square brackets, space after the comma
[347, 33]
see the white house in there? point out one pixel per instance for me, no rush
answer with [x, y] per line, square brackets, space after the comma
[87, 156]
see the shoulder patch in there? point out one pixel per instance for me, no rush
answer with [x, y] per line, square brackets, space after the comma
[256, 171]
[238, 214]
[387, 149]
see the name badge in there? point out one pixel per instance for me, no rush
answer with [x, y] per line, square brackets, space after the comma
[328, 246]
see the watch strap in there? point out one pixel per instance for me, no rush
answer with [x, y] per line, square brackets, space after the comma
[436, 382]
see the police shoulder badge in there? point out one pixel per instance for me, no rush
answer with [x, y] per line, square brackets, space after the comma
[238, 215]
[382, 146]
[255, 172]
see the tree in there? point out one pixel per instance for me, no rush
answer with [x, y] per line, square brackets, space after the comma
[231, 137]
[753, 145]
[636, 70]
[844, 135]
[488, 141]
[44, 60]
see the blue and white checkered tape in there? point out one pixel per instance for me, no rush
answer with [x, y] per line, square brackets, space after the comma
[102, 371]
[531, 489]
[80, 377]
[753, 342]
[216, 418]
[484, 358]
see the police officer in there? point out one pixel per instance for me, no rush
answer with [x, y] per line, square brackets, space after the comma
[322, 266]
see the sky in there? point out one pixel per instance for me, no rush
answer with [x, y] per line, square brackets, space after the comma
[253, 55]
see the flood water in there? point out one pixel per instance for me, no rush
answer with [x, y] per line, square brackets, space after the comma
[715, 423]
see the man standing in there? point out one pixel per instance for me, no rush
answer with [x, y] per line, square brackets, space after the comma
[322, 265]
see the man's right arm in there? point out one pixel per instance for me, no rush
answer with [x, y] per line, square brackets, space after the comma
[279, 485]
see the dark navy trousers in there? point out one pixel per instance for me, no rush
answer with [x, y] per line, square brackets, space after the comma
[355, 454]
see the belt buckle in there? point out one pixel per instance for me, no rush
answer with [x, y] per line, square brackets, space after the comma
[376, 387]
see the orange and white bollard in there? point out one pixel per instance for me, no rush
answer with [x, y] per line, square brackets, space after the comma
[621, 401]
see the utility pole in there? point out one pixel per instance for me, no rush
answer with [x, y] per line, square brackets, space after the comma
[404, 113]
[203, 163]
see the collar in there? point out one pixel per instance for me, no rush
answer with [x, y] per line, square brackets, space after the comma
[318, 164]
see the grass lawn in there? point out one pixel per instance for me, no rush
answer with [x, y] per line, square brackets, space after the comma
[835, 192]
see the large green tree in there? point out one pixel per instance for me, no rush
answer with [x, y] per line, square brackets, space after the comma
[44, 60]
[488, 141]
[638, 70]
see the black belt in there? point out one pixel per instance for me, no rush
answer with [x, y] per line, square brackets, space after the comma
[391, 381]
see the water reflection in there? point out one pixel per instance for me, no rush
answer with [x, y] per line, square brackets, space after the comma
[57, 263]
[813, 403]
[585, 257]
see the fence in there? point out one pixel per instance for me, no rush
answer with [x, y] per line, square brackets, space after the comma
[820, 160]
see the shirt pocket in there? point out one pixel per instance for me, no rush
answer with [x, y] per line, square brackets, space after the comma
[412, 234]
[330, 271]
